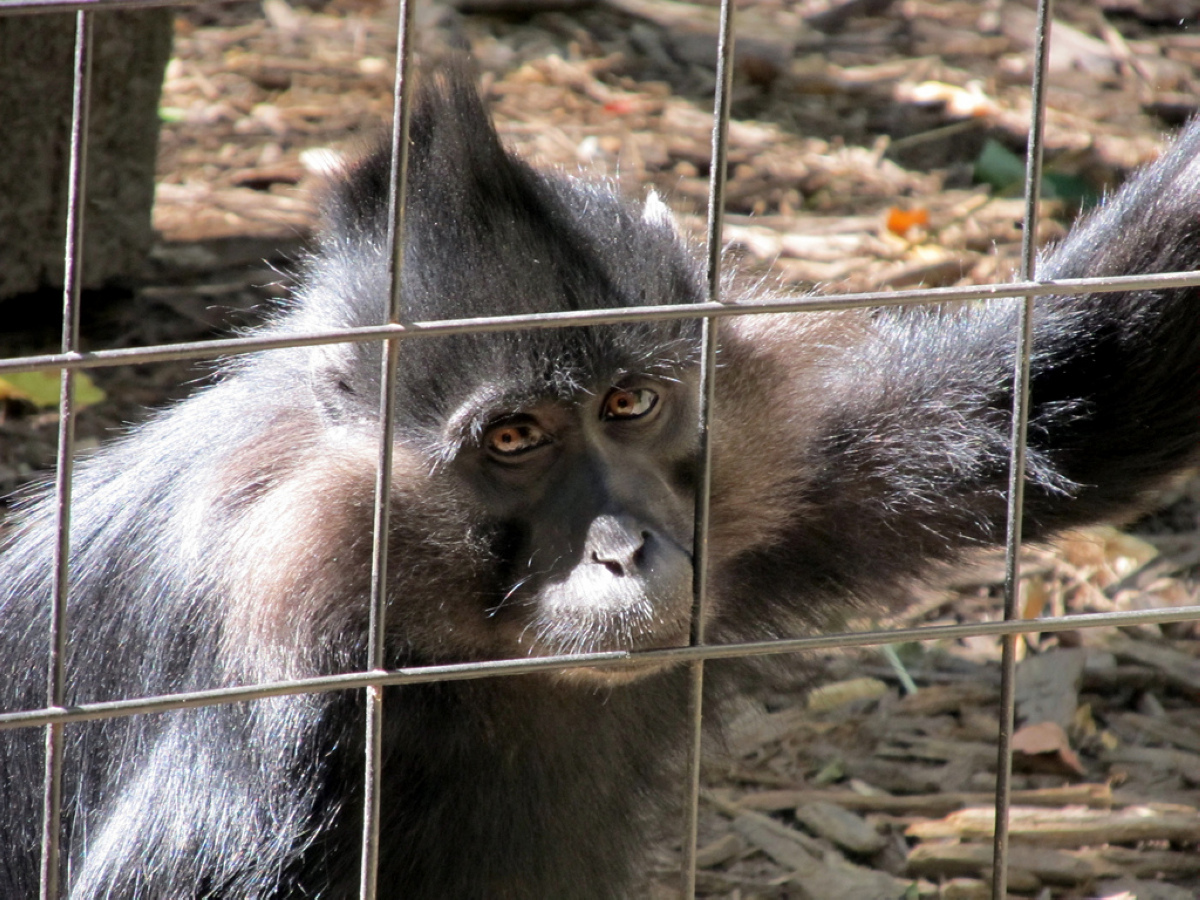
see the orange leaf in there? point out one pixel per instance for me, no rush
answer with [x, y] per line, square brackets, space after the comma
[620, 106]
[900, 220]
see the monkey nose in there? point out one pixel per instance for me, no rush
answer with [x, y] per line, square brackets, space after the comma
[618, 543]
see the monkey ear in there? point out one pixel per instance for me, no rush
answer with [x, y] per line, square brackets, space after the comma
[657, 214]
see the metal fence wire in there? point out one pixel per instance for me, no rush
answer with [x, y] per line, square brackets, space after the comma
[56, 716]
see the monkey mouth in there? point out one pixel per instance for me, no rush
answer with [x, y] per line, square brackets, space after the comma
[620, 632]
[641, 605]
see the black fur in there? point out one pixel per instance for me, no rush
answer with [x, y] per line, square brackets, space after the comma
[228, 540]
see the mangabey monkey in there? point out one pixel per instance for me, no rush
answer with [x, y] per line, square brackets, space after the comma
[543, 503]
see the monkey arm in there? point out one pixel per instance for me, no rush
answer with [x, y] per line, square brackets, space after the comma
[904, 456]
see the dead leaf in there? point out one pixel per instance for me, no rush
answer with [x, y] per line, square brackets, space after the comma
[1047, 743]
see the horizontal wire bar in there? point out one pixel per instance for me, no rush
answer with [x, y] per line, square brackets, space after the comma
[609, 659]
[578, 318]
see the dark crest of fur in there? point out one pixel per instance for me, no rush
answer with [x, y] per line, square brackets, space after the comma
[487, 235]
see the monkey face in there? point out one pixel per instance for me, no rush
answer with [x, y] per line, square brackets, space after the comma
[543, 479]
[589, 504]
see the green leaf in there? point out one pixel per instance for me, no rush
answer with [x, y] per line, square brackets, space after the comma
[1004, 171]
[42, 389]
[998, 166]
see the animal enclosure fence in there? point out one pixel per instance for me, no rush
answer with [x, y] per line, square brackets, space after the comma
[56, 715]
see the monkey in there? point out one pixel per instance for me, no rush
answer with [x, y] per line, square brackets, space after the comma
[542, 502]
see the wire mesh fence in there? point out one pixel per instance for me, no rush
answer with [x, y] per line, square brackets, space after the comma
[398, 330]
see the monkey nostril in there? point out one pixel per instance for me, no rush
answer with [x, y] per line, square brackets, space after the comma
[623, 560]
[639, 554]
[613, 566]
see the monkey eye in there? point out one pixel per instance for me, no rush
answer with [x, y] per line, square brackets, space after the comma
[509, 440]
[628, 404]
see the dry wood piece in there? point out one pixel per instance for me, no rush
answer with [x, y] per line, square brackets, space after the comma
[1066, 868]
[838, 15]
[192, 212]
[1094, 795]
[754, 728]
[1158, 728]
[947, 698]
[1187, 765]
[691, 31]
[1071, 49]
[981, 756]
[848, 831]
[939, 273]
[787, 846]
[1179, 669]
[1073, 826]
[520, 7]
[818, 873]
[1141, 862]
[937, 860]
[1137, 889]
[721, 850]
[965, 889]
[841, 693]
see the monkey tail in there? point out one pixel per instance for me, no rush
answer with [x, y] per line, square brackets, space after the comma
[1116, 375]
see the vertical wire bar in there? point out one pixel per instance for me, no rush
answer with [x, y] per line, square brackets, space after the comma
[1016, 472]
[59, 629]
[376, 630]
[708, 367]
[720, 151]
